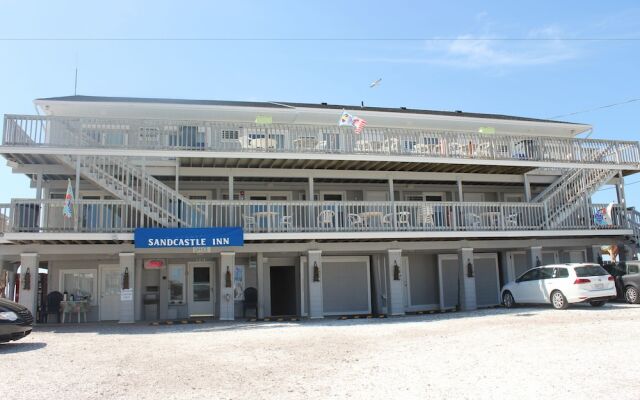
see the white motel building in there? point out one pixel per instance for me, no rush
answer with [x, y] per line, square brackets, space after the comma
[228, 209]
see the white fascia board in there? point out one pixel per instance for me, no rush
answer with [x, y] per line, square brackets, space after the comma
[302, 156]
[302, 115]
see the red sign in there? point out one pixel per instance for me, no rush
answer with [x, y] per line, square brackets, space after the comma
[154, 264]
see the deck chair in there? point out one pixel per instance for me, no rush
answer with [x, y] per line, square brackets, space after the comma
[325, 218]
[355, 220]
[249, 223]
[425, 216]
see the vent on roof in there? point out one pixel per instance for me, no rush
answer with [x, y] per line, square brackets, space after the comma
[403, 108]
[324, 104]
[459, 111]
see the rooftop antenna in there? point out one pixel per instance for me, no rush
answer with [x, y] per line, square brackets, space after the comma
[75, 86]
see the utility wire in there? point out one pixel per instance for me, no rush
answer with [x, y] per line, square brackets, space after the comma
[316, 39]
[595, 109]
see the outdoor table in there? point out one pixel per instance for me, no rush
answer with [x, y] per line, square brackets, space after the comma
[492, 218]
[78, 306]
[367, 215]
[269, 215]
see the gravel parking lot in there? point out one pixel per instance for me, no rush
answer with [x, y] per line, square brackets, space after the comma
[581, 353]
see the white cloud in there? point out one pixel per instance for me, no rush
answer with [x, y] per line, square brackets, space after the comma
[544, 46]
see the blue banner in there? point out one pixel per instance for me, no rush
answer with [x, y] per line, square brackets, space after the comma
[148, 238]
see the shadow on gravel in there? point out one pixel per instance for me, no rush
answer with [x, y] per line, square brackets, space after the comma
[20, 347]
[112, 328]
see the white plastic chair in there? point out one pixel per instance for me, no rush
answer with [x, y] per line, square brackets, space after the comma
[355, 220]
[325, 218]
[249, 223]
[286, 221]
[511, 220]
[425, 216]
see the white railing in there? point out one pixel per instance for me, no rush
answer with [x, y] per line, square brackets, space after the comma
[112, 216]
[633, 216]
[326, 139]
[130, 183]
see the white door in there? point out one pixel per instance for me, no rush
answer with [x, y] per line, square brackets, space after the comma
[577, 256]
[518, 264]
[201, 285]
[109, 292]
[448, 276]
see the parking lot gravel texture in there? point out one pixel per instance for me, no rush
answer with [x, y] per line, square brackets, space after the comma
[523, 353]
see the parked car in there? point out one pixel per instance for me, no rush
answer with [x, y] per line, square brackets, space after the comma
[16, 321]
[627, 278]
[561, 285]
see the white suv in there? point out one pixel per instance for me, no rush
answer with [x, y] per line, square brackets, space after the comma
[561, 285]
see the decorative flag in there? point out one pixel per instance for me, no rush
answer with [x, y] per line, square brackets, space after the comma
[359, 124]
[346, 119]
[67, 211]
[264, 119]
[487, 129]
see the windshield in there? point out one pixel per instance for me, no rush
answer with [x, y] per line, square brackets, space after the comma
[590, 270]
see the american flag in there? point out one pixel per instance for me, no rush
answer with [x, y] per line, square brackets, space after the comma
[359, 124]
[67, 210]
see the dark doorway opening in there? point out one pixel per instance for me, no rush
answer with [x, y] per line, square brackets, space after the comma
[283, 290]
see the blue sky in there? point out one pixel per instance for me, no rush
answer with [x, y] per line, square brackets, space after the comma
[528, 78]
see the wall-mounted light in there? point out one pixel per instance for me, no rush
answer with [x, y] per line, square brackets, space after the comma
[125, 279]
[469, 268]
[227, 278]
[396, 271]
[316, 272]
[538, 262]
[26, 283]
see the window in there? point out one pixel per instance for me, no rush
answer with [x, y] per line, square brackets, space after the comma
[176, 284]
[590, 270]
[229, 135]
[531, 275]
[560, 273]
[546, 273]
[188, 136]
[81, 283]
[633, 268]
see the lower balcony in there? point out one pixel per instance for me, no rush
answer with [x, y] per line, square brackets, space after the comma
[297, 220]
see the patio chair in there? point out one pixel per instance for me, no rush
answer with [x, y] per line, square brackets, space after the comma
[402, 219]
[474, 220]
[286, 221]
[425, 216]
[249, 223]
[53, 304]
[325, 218]
[355, 220]
[250, 300]
[511, 220]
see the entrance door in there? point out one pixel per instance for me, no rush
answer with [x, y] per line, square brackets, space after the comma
[448, 273]
[518, 264]
[283, 290]
[201, 289]
[109, 292]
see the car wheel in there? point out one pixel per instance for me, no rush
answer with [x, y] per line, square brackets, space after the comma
[558, 301]
[631, 295]
[598, 303]
[507, 300]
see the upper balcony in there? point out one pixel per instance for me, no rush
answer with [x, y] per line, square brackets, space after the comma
[292, 146]
[25, 220]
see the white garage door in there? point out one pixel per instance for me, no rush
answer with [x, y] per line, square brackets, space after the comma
[346, 285]
[487, 279]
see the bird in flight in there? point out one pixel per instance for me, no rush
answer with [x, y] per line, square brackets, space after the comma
[375, 83]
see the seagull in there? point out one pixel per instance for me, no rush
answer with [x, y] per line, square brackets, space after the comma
[375, 83]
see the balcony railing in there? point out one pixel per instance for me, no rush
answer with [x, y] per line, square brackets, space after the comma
[22, 130]
[114, 216]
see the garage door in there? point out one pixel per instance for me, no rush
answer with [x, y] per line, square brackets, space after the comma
[520, 263]
[346, 285]
[487, 279]
[448, 274]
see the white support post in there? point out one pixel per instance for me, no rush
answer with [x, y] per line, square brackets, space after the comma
[39, 186]
[527, 188]
[77, 194]
[29, 264]
[127, 295]
[392, 199]
[310, 190]
[314, 266]
[11, 282]
[227, 301]
[460, 194]
[396, 288]
[230, 188]
[261, 285]
[467, 280]
[177, 175]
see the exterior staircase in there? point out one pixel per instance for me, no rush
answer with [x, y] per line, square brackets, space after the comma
[130, 183]
[564, 198]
